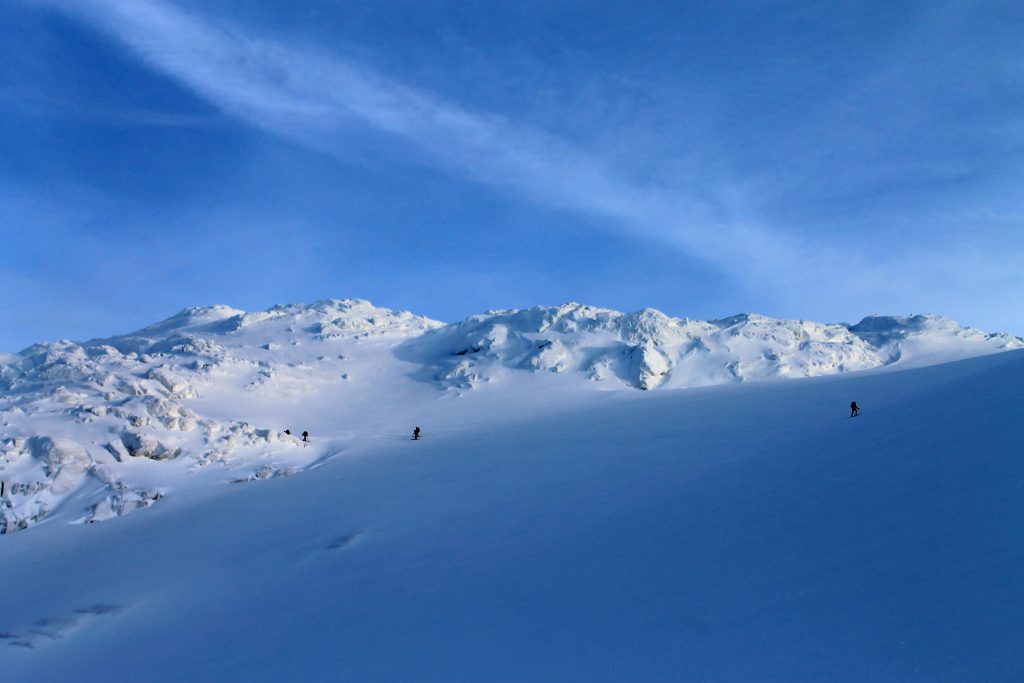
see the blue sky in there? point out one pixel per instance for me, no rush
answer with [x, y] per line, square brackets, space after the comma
[822, 161]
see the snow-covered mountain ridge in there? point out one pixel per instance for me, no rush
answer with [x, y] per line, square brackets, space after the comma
[119, 420]
[648, 349]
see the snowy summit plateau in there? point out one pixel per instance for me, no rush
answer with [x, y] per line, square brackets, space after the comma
[117, 423]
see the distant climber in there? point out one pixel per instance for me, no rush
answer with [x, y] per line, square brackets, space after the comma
[2, 484]
[854, 409]
[416, 434]
[305, 436]
[288, 432]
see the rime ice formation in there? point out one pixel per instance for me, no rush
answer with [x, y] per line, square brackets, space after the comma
[123, 419]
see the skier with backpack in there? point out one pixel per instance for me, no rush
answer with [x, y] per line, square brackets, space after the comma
[854, 409]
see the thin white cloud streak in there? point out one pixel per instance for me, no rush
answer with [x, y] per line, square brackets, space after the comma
[318, 100]
[313, 99]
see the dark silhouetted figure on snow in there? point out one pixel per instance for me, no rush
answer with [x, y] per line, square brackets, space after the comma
[416, 434]
[305, 436]
[854, 409]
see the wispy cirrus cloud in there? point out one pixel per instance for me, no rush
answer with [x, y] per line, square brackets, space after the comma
[321, 101]
[316, 99]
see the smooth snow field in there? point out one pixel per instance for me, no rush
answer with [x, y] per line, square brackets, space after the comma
[741, 532]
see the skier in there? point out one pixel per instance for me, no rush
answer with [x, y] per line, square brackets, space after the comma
[305, 436]
[854, 410]
[416, 434]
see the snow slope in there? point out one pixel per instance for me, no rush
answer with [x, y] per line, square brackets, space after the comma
[742, 532]
[117, 423]
[542, 529]
[209, 388]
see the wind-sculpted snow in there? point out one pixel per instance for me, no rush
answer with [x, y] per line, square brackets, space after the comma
[124, 420]
[114, 412]
[648, 349]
